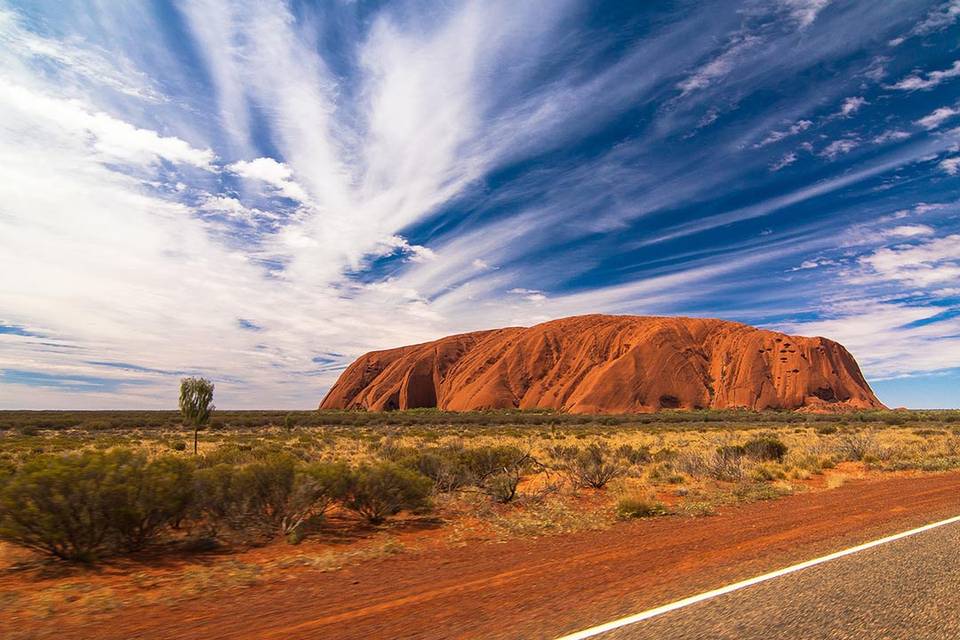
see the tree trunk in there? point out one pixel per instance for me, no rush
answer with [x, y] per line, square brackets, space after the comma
[195, 430]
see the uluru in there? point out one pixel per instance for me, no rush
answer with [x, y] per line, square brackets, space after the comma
[609, 364]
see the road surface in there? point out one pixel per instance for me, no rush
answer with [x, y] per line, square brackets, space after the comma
[906, 589]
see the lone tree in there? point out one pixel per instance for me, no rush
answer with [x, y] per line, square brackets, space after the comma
[196, 404]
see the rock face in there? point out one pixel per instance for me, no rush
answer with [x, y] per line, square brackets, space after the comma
[609, 364]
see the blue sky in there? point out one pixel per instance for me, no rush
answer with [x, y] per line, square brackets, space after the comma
[260, 191]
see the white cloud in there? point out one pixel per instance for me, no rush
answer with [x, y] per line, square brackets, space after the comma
[720, 65]
[814, 264]
[951, 165]
[530, 295]
[891, 135]
[888, 339]
[276, 174]
[805, 11]
[414, 252]
[929, 263]
[933, 79]
[937, 117]
[775, 136]
[851, 105]
[234, 209]
[112, 139]
[785, 161]
[483, 265]
[939, 18]
[909, 231]
[85, 63]
[839, 147]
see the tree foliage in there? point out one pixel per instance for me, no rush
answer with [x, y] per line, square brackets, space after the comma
[196, 404]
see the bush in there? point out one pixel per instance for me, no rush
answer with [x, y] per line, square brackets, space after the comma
[636, 506]
[444, 467]
[143, 497]
[218, 499]
[502, 487]
[316, 487]
[638, 455]
[725, 463]
[765, 448]
[62, 505]
[857, 445]
[178, 445]
[269, 497]
[593, 467]
[382, 490]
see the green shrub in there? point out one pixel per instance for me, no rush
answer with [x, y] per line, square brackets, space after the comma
[275, 495]
[765, 448]
[502, 487]
[445, 467]
[316, 487]
[59, 505]
[382, 490]
[481, 462]
[638, 455]
[218, 499]
[178, 445]
[826, 429]
[636, 506]
[143, 497]
[593, 467]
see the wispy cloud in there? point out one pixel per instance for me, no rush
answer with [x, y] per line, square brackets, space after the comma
[932, 79]
[805, 11]
[775, 136]
[839, 147]
[937, 117]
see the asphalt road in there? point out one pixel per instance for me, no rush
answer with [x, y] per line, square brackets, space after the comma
[906, 589]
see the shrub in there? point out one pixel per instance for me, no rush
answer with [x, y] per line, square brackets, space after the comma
[725, 463]
[638, 506]
[58, 505]
[274, 495]
[265, 490]
[316, 487]
[593, 467]
[143, 497]
[444, 467]
[766, 473]
[482, 462]
[378, 491]
[502, 487]
[638, 455]
[765, 448]
[857, 445]
[178, 445]
[826, 429]
[218, 499]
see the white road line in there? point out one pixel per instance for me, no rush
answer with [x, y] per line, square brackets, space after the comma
[686, 602]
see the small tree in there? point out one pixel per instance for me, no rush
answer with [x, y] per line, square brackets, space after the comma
[196, 404]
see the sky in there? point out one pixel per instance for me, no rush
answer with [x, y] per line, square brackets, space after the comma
[258, 192]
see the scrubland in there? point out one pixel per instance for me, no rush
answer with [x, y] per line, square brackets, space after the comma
[98, 509]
